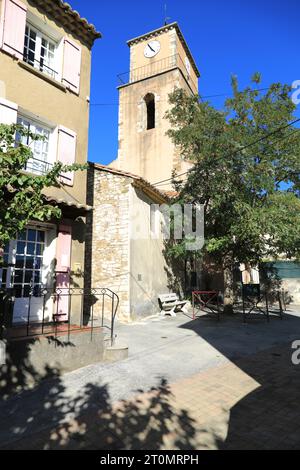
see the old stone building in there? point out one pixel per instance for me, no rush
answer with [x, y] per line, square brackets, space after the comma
[125, 254]
[160, 61]
[124, 240]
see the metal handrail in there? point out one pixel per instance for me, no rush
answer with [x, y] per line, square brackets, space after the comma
[48, 165]
[157, 66]
[37, 64]
[55, 325]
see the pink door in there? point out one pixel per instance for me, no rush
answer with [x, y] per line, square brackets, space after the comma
[63, 255]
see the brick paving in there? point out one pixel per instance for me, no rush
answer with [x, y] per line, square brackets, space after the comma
[249, 403]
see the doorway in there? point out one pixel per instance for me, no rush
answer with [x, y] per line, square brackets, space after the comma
[24, 271]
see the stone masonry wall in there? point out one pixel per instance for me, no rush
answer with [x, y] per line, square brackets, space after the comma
[107, 254]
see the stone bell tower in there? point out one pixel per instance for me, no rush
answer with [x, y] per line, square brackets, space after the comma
[160, 61]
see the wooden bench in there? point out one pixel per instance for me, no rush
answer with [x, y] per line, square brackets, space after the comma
[170, 303]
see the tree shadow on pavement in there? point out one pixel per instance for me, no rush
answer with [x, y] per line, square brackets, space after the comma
[257, 390]
[52, 416]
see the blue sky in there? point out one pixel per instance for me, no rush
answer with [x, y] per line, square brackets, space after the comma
[225, 37]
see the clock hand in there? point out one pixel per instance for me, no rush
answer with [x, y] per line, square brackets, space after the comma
[153, 50]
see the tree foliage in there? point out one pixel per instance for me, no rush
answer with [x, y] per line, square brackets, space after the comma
[21, 193]
[246, 170]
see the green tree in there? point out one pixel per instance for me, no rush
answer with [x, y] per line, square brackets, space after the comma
[246, 173]
[21, 193]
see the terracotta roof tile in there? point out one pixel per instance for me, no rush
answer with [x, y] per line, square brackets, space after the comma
[69, 18]
[138, 180]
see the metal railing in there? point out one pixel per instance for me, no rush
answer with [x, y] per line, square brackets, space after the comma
[41, 66]
[155, 67]
[40, 167]
[60, 312]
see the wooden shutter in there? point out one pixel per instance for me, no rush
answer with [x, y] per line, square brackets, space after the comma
[8, 112]
[66, 152]
[63, 268]
[71, 65]
[63, 251]
[12, 27]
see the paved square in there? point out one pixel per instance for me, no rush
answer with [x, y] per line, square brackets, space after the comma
[225, 385]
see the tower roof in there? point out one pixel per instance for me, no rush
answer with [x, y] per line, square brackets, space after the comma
[157, 32]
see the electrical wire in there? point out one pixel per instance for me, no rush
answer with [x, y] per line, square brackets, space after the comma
[200, 96]
[239, 150]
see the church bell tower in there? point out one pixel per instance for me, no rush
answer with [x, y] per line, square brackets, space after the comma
[160, 61]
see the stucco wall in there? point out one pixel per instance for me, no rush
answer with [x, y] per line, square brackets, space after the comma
[148, 275]
[148, 153]
[170, 45]
[56, 105]
[192, 77]
[137, 57]
[120, 253]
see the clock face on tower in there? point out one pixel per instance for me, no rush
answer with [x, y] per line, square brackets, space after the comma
[151, 49]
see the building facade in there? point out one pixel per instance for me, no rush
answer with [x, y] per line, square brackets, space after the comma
[45, 62]
[125, 246]
[125, 253]
[160, 61]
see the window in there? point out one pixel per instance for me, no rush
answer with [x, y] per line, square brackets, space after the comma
[39, 51]
[23, 263]
[39, 163]
[150, 105]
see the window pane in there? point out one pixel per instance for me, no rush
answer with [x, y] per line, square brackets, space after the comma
[30, 57]
[29, 45]
[39, 249]
[20, 248]
[19, 262]
[40, 236]
[30, 248]
[18, 277]
[28, 277]
[37, 263]
[33, 34]
[37, 292]
[31, 235]
[37, 277]
[24, 139]
[22, 235]
[47, 57]
[29, 262]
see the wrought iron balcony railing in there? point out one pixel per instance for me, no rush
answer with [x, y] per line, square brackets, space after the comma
[41, 66]
[40, 167]
[156, 67]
